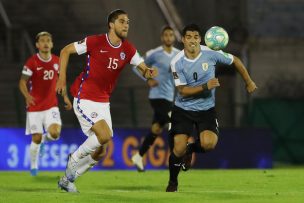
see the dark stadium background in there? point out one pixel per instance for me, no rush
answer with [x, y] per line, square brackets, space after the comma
[266, 34]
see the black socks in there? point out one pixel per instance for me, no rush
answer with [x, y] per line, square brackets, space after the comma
[148, 141]
[195, 147]
[174, 166]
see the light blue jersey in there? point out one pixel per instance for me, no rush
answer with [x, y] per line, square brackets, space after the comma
[161, 59]
[197, 72]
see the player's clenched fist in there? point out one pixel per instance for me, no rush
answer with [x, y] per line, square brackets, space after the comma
[151, 73]
[61, 87]
[213, 83]
[251, 87]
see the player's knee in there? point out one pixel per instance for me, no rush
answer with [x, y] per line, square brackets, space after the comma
[54, 131]
[55, 134]
[179, 148]
[209, 143]
[156, 129]
[37, 138]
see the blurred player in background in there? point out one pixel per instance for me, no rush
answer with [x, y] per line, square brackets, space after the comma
[161, 93]
[193, 71]
[37, 84]
[107, 55]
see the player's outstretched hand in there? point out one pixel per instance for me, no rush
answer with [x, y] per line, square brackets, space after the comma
[152, 83]
[29, 100]
[213, 83]
[151, 72]
[251, 87]
[68, 104]
[61, 87]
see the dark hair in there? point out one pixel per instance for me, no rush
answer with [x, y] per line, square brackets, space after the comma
[114, 15]
[191, 27]
[164, 28]
[43, 33]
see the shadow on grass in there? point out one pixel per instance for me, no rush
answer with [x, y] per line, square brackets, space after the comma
[45, 178]
[131, 188]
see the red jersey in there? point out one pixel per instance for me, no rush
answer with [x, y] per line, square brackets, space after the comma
[104, 64]
[43, 76]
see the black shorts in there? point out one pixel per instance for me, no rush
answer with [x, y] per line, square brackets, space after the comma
[184, 122]
[161, 108]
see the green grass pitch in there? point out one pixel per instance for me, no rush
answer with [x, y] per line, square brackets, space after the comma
[231, 186]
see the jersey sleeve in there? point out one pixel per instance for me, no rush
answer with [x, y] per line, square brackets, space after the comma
[136, 59]
[178, 76]
[81, 46]
[223, 57]
[28, 67]
[85, 45]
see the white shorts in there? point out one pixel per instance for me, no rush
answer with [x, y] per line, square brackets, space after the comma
[89, 112]
[37, 121]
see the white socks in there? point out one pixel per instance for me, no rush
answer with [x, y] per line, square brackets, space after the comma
[46, 137]
[88, 147]
[34, 152]
[84, 165]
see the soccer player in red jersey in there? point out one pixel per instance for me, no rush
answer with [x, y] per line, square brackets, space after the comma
[107, 55]
[37, 84]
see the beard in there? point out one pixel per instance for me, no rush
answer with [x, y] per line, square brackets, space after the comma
[121, 35]
[168, 44]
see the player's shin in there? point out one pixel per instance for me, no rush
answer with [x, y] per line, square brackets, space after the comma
[88, 147]
[85, 165]
[148, 142]
[174, 166]
[34, 152]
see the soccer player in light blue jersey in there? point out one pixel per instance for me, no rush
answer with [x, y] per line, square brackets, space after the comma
[161, 93]
[193, 71]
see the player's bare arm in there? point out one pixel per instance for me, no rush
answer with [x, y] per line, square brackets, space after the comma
[250, 85]
[186, 91]
[29, 100]
[63, 63]
[66, 99]
[146, 71]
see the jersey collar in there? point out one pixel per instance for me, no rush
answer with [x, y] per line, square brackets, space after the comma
[41, 59]
[111, 43]
[192, 60]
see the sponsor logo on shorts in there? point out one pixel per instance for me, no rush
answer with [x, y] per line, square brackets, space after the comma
[54, 114]
[94, 115]
[33, 127]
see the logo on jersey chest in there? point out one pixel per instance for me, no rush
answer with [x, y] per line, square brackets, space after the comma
[205, 66]
[56, 66]
[122, 55]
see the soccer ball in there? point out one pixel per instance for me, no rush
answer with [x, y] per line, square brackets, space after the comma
[216, 38]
